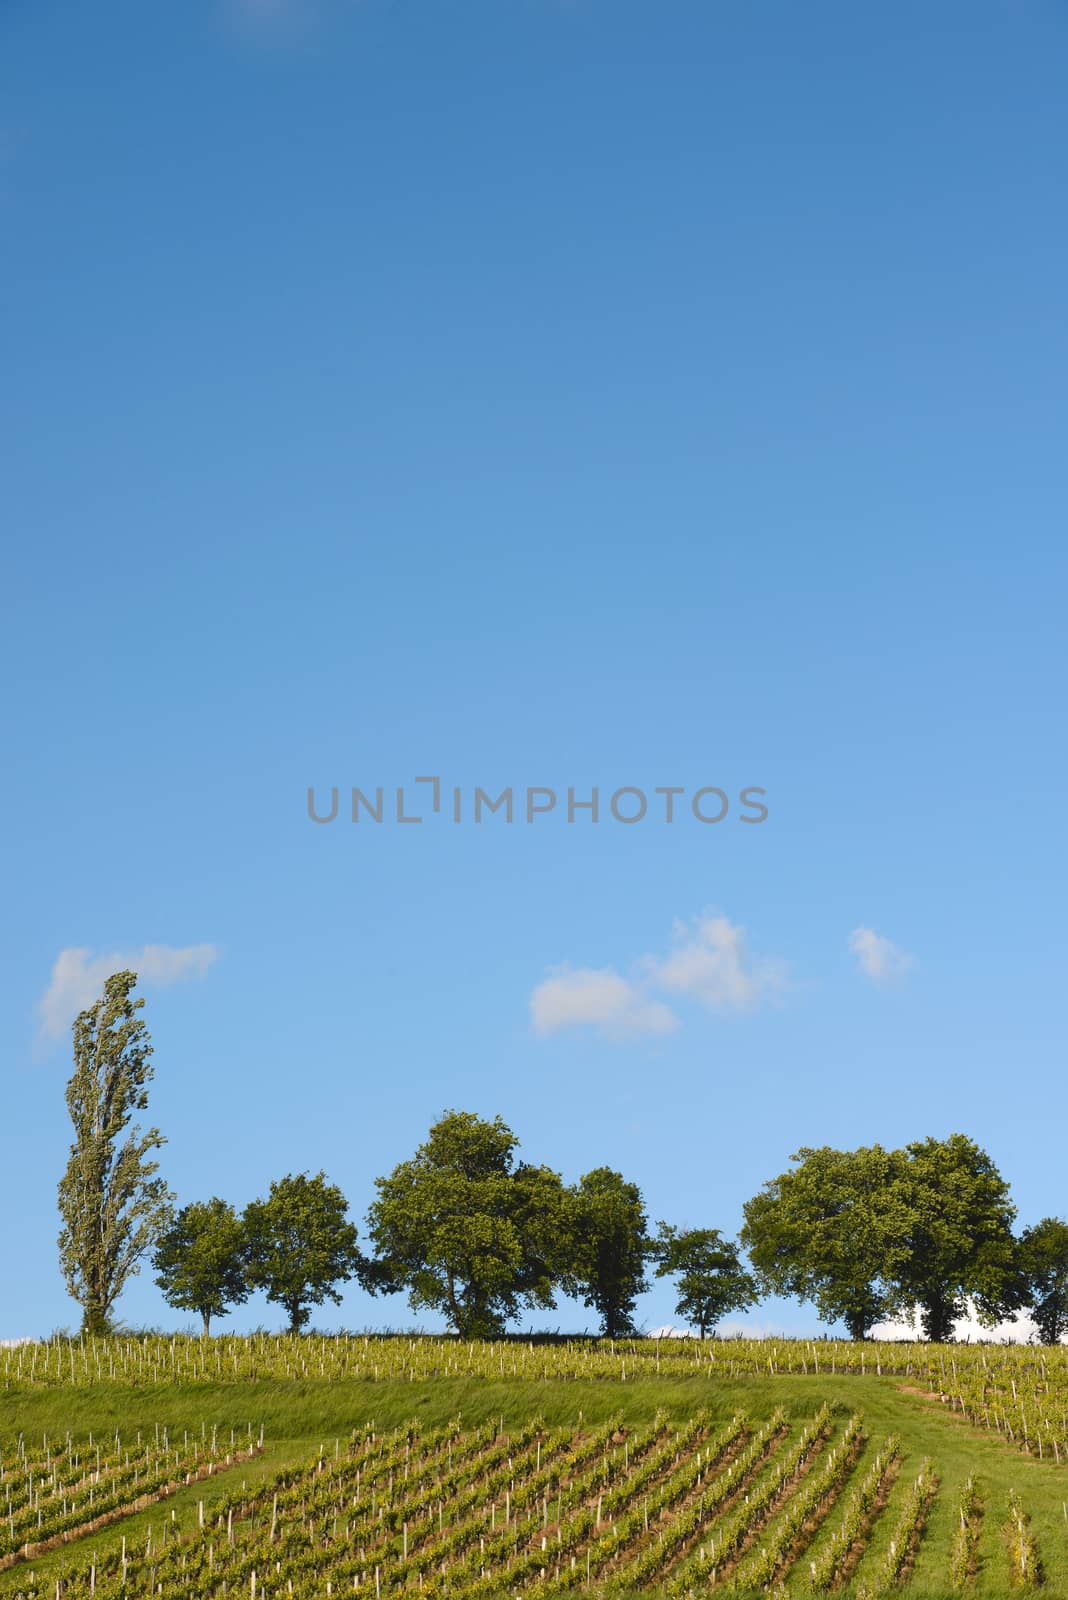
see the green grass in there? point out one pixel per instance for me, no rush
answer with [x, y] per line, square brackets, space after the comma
[300, 1415]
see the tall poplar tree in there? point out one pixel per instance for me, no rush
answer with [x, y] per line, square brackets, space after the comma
[111, 1203]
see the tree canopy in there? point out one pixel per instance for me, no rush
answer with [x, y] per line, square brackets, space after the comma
[300, 1245]
[958, 1243]
[710, 1278]
[466, 1229]
[607, 1244]
[200, 1260]
[868, 1233]
[831, 1231]
[1043, 1260]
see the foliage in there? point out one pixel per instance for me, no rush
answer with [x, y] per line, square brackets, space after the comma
[111, 1203]
[865, 1233]
[467, 1230]
[1043, 1261]
[711, 1280]
[607, 1248]
[300, 1245]
[831, 1231]
[958, 1243]
[200, 1260]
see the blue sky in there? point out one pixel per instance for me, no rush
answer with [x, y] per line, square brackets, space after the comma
[530, 393]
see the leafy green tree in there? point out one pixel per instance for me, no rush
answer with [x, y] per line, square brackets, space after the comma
[200, 1260]
[711, 1280]
[111, 1203]
[1043, 1261]
[832, 1231]
[466, 1229]
[300, 1245]
[607, 1248]
[959, 1245]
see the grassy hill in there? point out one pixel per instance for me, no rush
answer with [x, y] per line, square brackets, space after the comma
[301, 1415]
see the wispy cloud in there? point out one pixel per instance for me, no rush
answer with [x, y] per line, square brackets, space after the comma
[78, 977]
[708, 963]
[711, 964]
[879, 959]
[574, 997]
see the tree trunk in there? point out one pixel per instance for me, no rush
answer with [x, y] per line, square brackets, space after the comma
[456, 1316]
[207, 1322]
[95, 1320]
[938, 1315]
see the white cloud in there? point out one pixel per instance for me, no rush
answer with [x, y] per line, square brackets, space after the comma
[710, 964]
[78, 977]
[879, 959]
[572, 997]
[967, 1329]
[750, 1327]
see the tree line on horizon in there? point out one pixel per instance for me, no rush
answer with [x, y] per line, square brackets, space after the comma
[470, 1232]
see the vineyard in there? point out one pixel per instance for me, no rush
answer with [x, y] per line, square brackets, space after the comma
[62, 1488]
[543, 1512]
[575, 1468]
[1018, 1391]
